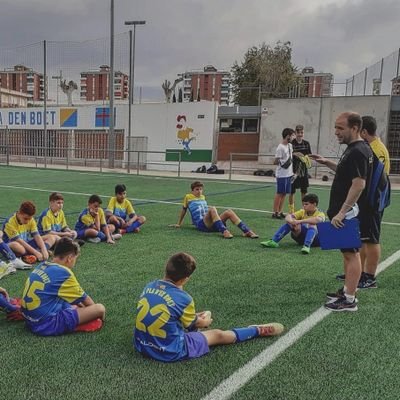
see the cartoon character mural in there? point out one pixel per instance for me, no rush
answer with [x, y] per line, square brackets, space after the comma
[184, 133]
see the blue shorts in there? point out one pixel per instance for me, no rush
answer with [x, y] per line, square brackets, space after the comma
[284, 185]
[33, 244]
[64, 321]
[196, 345]
[81, 234]
[201, 226]
[302, 237]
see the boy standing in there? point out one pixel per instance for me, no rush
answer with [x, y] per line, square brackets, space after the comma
[166, 322]
[302, 225]
[207, 219]
[121, 214]
[52, 219]
[284, 172]
[22, 236]
[53, 302]
[91, 224]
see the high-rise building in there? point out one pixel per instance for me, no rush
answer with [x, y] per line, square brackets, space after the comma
[24, 80]
[396, 86]
[316, 84]
[95, 84]
[207, 84]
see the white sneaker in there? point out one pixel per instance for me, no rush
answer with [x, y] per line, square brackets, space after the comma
[117, 236]
[94, 240]
[19, 264]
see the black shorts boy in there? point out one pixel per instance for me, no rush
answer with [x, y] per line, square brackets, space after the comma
[301, 182]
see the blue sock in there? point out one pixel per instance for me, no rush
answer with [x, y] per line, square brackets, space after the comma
[281, 232]
[243, 227]
[243, 334]
[102, 236]
[219, 226]
[7, 252]
[5, 305]
[135, 225]
[310, 235]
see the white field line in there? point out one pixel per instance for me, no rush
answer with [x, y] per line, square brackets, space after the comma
[153, 201]
[243, 375]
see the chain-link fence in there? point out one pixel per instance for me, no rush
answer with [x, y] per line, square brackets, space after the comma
[378, 79]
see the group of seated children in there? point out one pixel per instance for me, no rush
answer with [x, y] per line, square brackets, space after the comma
[167, 324]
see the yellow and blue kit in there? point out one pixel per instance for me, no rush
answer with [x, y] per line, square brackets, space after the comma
[86, 220]
[122, 210]
[49, 289]
[164, 312]
[48, 221]
[302, 214]
[197, 207]
[14, 230]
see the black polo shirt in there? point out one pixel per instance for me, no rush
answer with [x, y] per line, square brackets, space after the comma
[356, 162]
[303, 148]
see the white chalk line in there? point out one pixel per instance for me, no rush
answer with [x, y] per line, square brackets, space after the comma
[243, 375]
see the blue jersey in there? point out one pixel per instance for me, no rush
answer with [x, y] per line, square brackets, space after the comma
[197, 207]
[163, 313]
[49, 289]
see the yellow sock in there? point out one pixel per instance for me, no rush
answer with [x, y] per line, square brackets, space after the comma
[291, 208]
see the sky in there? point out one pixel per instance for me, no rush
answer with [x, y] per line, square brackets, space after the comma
[338, 36]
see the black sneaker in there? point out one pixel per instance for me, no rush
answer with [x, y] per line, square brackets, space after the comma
[341, 277]
[80, 242]
[342, 304]
[335, 295]
[275, 215]
[282, 216]
[367, 282]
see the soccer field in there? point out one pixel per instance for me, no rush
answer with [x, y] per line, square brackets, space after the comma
[320, 356]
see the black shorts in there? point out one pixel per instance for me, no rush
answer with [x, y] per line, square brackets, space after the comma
[300, 183]
[370, 227]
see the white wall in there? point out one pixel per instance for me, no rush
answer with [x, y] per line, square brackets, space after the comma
[318, 117]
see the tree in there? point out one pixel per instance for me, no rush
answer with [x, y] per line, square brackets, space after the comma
[180, 95]
[174, 98]
[265, 72]
[198, 94]
[191, 97]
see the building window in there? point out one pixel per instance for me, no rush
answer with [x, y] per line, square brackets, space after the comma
[251, 125]
[230, 125]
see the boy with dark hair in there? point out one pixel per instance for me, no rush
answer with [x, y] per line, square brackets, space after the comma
[22, 236]
[91, 224]
[53, 301]
[207, 219]
[284, 172]
[52, 219]
[302, 225]
[166, 321]
[121, 214]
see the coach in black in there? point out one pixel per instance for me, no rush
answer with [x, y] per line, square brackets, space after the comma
[300, 147]
[353, 174]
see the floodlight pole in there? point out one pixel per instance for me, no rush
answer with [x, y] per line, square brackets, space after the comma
[131, 79]
[111, 132]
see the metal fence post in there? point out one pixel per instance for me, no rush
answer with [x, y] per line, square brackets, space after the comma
[179, 164]
[138, 163]
[230, 166]
[8, 145]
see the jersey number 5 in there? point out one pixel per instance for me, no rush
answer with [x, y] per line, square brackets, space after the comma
[155, 328]
[29, 291]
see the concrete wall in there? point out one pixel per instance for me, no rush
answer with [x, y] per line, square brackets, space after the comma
[158, 122]
[318, 117]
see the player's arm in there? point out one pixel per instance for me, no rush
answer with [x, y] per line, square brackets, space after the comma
[354, 193]
[181, 218]
[313, 220]
[29, 249]
[40, 243]
[324, 161]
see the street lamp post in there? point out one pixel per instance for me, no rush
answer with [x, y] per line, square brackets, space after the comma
[131, 80]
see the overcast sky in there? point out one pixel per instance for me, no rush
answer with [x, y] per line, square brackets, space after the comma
[337, 36]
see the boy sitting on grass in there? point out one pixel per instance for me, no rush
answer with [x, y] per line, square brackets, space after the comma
[91, 224]
[166, 322]
[207, 219]
[52, 219]
[53, 301]
[13, 263]
[302, 225]
[121, 214]
[22, 236]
